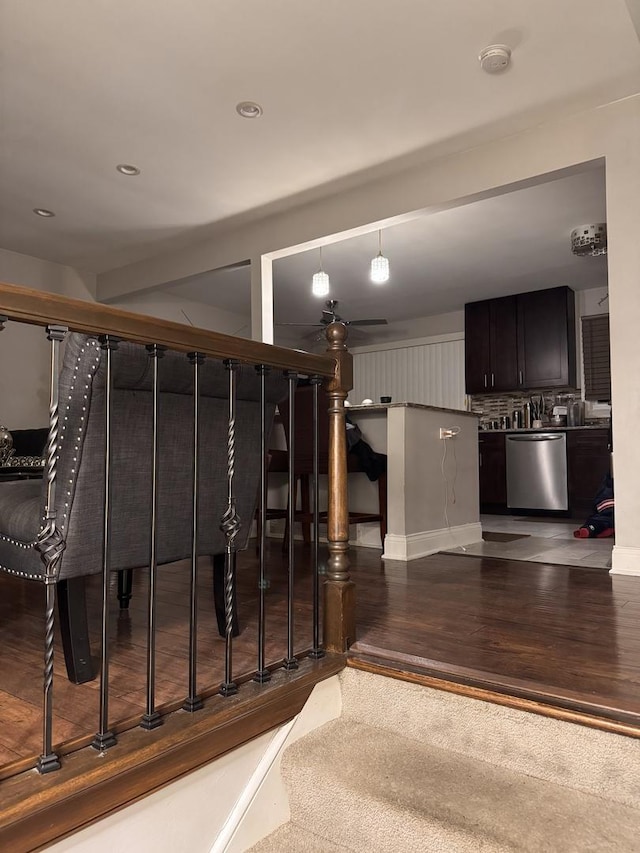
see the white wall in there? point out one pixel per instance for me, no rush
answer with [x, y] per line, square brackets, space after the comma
[168, 306]
[24, 364]
[428, 370]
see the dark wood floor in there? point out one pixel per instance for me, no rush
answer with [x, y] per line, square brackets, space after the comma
[566, 635]
[531, 629]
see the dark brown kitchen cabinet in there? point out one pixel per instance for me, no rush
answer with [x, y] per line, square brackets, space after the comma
[493, 470]
[588, 460]
[547, 338]
[521, 342]
[491, 345]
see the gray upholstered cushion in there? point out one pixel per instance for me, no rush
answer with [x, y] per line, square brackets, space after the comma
[80, 475]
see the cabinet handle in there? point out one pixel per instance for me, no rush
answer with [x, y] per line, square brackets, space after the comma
[492, 381]
[520, 374]
[485, 380]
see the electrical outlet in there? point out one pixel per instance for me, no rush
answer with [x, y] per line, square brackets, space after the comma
[449, 432]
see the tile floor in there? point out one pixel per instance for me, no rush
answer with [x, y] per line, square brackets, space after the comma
[548, 540]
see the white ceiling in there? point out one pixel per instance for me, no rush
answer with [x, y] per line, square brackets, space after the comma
[344, 86]
[512, 243]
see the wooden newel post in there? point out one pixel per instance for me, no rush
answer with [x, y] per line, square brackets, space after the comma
[339, 589]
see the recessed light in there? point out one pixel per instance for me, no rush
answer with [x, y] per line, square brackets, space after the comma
[127, 169]
[249, 109]
[42, 211]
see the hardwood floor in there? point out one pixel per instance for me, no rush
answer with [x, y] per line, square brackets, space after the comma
[76, 706]
[567, 635]
[570, 636]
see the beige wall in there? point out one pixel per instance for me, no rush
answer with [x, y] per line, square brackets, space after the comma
[24, 364]
[611, 132]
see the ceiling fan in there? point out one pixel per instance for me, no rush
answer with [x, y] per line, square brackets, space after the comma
[330, 315]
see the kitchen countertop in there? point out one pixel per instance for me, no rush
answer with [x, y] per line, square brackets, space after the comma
[382, 407]
[550, 428]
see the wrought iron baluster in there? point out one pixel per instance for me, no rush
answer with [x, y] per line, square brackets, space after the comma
[151, 719]
[262, 673]
[290, 661]
[317, 651]
[50, 545]
[230, 526]
[104, 737]
[193, 702]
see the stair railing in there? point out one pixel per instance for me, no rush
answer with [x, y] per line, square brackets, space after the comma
[60, 315]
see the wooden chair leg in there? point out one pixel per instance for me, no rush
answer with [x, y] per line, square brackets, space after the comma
[382, 504]
[72, 608]
[125, 587]
[218, 561]
[305, 506]
[287, 532]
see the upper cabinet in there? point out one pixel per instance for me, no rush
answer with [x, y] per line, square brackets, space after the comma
[491, 353]
[521, 342]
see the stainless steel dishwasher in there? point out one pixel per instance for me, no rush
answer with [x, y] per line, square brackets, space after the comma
[537, 470]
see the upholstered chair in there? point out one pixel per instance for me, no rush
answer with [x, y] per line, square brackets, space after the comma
[80, 475]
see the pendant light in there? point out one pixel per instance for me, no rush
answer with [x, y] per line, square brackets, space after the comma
[379, 265]
[320, 281]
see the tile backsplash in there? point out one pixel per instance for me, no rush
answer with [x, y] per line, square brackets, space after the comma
[490, 407]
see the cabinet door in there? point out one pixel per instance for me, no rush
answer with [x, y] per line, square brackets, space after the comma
[504, 344]
[588, 460]
[493, 470]
[477, 347]
[547, 338]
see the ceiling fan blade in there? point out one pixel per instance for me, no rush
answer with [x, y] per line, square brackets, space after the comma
[300, 324]
[367, 322]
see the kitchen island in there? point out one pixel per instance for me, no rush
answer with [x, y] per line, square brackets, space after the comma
[432, 482]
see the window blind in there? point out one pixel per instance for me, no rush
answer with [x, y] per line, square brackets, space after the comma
[597, 364]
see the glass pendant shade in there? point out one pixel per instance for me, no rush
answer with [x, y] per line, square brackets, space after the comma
[379, 265]
[320, 281]
[320, 284]
[380, 269]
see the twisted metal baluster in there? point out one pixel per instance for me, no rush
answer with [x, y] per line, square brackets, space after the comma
[262, 673]
[50, 544]
[230, 526]
[104, 737]
[290, 661]
[317, 651]
[193, 702]
[151, 719]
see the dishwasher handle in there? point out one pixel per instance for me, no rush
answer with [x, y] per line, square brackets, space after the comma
[538, 436]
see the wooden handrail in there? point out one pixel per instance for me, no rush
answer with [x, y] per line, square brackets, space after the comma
[25, 305]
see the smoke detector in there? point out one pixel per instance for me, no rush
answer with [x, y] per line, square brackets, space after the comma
[495, 58]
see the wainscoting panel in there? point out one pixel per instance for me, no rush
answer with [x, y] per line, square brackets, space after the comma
[427, 372]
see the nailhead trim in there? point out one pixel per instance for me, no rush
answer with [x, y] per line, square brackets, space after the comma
[30, 545]
[22, 574]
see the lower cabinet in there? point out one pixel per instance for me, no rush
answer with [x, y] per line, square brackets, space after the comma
[588, 461]
[493, 471]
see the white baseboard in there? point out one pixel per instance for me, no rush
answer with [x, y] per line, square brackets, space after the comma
[625, 560]
[430, 541]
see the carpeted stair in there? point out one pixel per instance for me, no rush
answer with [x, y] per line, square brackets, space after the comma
[408, 768]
